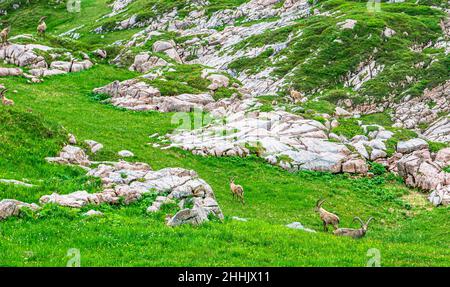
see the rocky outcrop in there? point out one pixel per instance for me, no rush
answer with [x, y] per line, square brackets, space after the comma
[144, 62]
[127, 182]
[71, 155]
[411, 145]
[136, 94]
[168, 48]
[212, 47]
[11, 207]
[283, 139]
[124, 182]
[424, 109]
[94, 146]
[69, 67]
[23, 55]
[421, 169]
[439, 131]
[4, 72]
[28, 56]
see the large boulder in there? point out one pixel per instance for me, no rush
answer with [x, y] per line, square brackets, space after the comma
[144, 62]
[167, 47]
[71, 155]
[411, 145]
[11, 207]
[10, 72]
[356, 166]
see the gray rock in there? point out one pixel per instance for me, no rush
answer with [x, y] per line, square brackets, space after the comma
[125, 153]
[299, 226]
[411, 145]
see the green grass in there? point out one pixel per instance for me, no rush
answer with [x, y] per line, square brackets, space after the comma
[406, 231]
[127, 236]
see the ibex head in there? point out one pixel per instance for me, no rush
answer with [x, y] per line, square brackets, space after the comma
[319, 205]
[364, 226]
[232, 179]
[42, 19]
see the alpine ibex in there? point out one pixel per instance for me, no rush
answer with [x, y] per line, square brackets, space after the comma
[295, 95]
[354, 233]
[237, 191]
[326, 216]
[4, 34]
[5, 101]
[42, 27]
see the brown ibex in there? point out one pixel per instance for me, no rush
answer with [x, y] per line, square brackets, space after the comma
[327, 217]
[42, 27]
[4, 34]
[295, 95]
[237, 191]
[354, 233]
[5, 101]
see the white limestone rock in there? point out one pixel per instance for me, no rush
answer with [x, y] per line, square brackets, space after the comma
[411, 145]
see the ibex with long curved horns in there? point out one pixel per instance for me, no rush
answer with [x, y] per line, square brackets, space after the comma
[327, 217]
[354, 233]
[5, 101]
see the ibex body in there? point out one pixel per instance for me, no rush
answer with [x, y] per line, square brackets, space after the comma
[295, 95]
[42, 27]
[354, 233]
[237, 191]
[5, 101]
[4, 34]
[327, 217]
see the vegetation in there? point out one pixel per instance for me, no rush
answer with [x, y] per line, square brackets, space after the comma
[406, 231]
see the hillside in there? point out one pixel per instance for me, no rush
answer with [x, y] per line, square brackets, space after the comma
[130, 117]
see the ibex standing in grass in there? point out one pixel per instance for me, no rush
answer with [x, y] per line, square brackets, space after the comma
[42, 27]
[237, 191]
[354, 233]
[327, 217]
[5, 101]
[4, 34]
[295, 95]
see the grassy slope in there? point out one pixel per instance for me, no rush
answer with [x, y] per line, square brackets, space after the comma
[322, 54]
[126, 236]
[405, 234]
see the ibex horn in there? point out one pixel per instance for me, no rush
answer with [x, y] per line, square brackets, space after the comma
[359, 219]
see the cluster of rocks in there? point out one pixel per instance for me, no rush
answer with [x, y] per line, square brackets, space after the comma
[4, 72]
[144, 62]
[136, 94]
[124, 182]
[295, 143]
[413, 112]
[364, 72]
[439, 131]
[425, 170]
[209, 46]
[11, 207]
[26, 56]
[282, 138]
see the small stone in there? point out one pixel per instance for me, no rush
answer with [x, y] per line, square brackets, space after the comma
[125, 153]
[239, 219]
[298, 225]
[93, 213]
